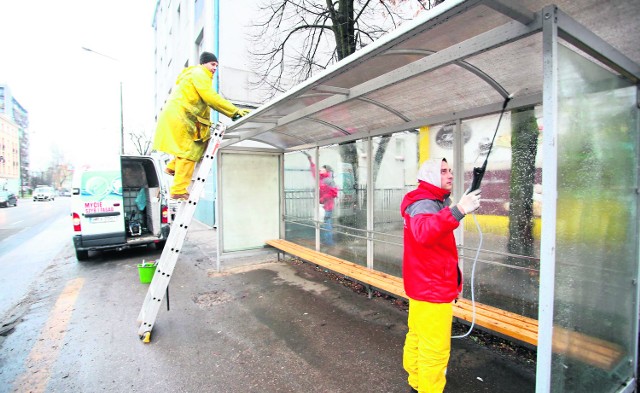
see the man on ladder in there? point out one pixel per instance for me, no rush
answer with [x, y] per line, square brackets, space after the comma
[184, 130]
[183, 124]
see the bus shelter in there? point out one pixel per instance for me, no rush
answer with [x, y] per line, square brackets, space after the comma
[557, 231]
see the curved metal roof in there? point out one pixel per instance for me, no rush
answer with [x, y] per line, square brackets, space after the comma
[460, 59]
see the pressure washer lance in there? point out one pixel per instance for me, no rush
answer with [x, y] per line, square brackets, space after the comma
[478, 174]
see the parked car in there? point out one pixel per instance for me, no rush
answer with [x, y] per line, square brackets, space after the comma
[8, 198]
[64, 192]
[45, 193]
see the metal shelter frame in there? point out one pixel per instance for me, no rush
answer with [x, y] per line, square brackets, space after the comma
[485, 42]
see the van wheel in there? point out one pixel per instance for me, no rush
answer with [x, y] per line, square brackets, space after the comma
[160, 245]
[82, 255]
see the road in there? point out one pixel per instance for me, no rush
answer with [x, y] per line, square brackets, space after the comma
[260, 325]
[32, 234]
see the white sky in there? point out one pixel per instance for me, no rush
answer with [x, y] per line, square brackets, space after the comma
[72, 95]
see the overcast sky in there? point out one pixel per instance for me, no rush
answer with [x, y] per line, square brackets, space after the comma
[72, 95]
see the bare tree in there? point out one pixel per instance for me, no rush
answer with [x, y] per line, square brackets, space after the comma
[141, 142]
[296, 38]
[59, 171]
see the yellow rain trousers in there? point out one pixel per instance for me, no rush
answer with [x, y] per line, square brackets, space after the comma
[183, 172]
[178, 130]
[428, 345]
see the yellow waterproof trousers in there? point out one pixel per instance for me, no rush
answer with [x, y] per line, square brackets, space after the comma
[183, 169]
[428, 345]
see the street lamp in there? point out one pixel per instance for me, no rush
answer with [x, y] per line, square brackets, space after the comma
[121, 111]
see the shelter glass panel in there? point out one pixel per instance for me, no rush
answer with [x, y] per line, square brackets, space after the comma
[596, 226]
[395, 165]
[299, 199]
[260, 172]
[502, 238]
[343, 212]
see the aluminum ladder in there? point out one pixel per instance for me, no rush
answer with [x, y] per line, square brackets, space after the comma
[164, 269]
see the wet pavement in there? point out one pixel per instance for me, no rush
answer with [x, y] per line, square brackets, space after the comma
[259, 325]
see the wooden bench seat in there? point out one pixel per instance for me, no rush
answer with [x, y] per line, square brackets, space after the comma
[590, 350]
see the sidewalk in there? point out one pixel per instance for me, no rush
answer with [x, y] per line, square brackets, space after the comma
[299, 330]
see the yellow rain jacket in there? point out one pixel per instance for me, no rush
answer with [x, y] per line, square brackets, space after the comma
[183, 123]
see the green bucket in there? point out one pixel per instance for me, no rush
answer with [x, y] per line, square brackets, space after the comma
[146, 271]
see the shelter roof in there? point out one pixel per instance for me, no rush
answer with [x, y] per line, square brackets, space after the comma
[458, 60]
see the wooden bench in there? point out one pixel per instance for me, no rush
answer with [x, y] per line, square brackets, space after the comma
[590, 350]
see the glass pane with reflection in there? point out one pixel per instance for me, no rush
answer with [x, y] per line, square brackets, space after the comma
[299, 199]
[342, 208]
[395, 164]
[502, 238]
[596, 227]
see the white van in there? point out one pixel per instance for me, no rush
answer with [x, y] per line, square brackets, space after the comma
[119, 206]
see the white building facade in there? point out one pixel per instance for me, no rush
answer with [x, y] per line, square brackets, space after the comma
[185, 28]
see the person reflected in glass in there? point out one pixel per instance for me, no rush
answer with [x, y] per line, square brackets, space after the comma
[183, 128]
[328, 192]
[432, 278]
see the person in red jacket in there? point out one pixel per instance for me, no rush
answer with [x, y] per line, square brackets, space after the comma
[328, 191]
[432, 278]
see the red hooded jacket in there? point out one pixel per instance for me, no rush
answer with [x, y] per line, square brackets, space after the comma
[430, 262]
[328, 190]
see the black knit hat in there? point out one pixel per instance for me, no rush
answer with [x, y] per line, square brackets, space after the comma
[207, 57]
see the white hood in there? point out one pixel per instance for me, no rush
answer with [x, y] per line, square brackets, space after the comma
[430, 171]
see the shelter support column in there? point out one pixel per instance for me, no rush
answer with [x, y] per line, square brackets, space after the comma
[550, 196]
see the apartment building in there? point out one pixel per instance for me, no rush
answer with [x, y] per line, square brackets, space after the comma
[14, 142]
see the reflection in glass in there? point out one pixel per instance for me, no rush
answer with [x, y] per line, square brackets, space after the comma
[395, 165]
[343, 227]
[299, 197]
[597, 222]
[507, 270]
[340, 213]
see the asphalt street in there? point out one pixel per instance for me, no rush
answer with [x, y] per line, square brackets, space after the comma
[32, 235]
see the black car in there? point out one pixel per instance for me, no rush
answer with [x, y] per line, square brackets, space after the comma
[8, 198]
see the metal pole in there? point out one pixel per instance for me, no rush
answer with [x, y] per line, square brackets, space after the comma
[121, 107]
[121, 123]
